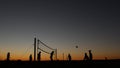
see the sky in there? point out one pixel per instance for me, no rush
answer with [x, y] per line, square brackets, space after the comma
[62, 25]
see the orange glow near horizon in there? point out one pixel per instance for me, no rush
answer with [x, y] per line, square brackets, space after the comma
[45, 57]
[19, 52]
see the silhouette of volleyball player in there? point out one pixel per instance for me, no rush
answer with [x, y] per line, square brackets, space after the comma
[69, 57]
[8, 56]
[51, 55]
[39, 56]
[30, 57]
[86, 57]
[90, 55]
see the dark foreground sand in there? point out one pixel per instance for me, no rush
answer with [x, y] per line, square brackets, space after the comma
[61, 64]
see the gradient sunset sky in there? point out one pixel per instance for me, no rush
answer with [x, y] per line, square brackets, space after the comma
[62, 24]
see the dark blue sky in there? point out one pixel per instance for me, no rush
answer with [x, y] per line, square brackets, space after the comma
[61, 24]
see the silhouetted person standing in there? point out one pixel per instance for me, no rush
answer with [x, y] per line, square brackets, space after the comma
[8, 56]
[86, 57]
[39, 56]
[30, 57]
[106, 58]
[90, 55]
[69, 57]
[51, 55]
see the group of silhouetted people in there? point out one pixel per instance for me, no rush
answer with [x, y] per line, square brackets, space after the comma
[39, 56]
[86, 57]
[90, 57]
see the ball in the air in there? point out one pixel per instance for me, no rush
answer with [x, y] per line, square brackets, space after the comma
[76, 46]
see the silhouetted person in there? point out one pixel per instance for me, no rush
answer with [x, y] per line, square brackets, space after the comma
[39, 56]
[51, 55]
[30, 57]
[69, 57]
[106, 58]
[90, 55]
[86, 57]
[8, 56]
